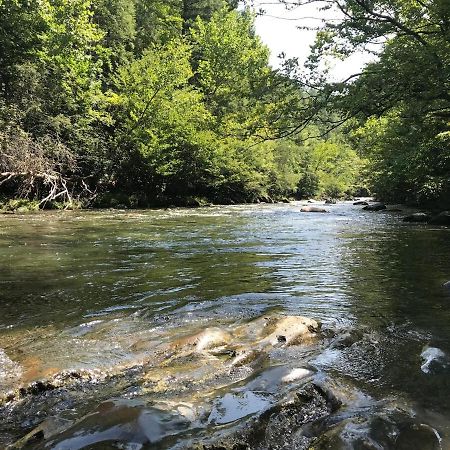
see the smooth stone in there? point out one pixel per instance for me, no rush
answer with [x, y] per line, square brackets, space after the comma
[360, 203]
[330, 201]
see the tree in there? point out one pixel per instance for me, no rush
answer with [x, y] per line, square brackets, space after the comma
[232, 70]
[406, 88]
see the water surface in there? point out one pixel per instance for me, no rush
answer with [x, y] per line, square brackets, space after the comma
[96, 290]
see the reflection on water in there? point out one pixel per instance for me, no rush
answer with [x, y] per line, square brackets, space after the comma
[101, 289]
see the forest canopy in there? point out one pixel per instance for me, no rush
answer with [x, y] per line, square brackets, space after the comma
[152, 102]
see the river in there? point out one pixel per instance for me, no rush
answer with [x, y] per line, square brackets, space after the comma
[96, 292]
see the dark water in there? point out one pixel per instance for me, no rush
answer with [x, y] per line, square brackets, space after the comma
[84, 290]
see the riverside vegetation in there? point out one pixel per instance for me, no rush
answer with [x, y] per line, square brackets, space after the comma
[149, 102]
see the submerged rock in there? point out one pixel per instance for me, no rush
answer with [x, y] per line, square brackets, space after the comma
[127, 423]
[417, 217]
[375, 207]
[314, 209]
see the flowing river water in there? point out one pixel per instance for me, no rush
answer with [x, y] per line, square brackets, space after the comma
[90, 302]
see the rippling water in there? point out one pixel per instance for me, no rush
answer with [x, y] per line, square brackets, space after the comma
[95, 290]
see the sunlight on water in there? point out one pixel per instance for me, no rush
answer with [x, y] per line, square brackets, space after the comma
[105, 291]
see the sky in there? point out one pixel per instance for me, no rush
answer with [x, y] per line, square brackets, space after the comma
[278, 30]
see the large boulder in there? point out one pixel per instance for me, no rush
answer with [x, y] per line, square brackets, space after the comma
[314, 209]
[375, 207]
[441, 219]
[419, 217]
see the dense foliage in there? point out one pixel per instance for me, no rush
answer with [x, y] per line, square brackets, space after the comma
[151, 102]
[135, 103]
[398, 109]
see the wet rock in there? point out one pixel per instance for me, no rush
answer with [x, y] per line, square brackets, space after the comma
[417, 217]
[280, 426]
[314, 209]
[418, 436]
[207, 340]
[247, 357]
[347, 338]
[330, 201]
[441, 219]
[434, 360]
[127, 423]
[50, 427]
[361, 203]
[291, 330]
[375, 207]
[237, 405]
[378, 430]
[62, 380]
[297, 374]
[446, 285]
[10, 372]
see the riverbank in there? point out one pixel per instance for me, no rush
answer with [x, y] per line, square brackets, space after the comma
[412, 213]
[122, 201]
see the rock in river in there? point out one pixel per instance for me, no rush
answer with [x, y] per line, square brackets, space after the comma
[417, 217]
[375, 207]
[361, 203]
[434, 360]
[281, 426]
[291, 330]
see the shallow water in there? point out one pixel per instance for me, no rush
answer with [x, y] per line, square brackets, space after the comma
[100, 291]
